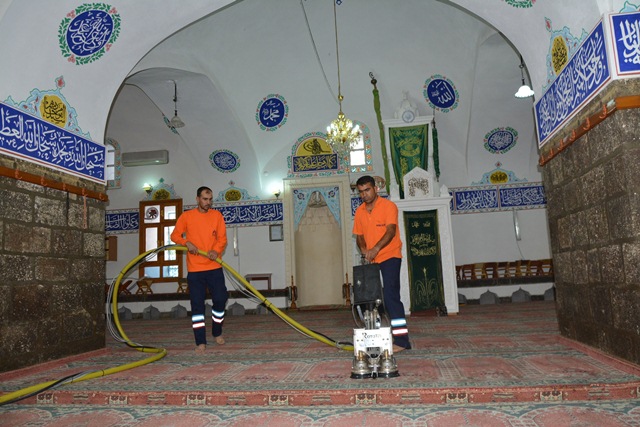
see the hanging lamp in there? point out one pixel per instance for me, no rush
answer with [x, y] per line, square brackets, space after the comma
[525, 91]
[176, 121]
[341, 133]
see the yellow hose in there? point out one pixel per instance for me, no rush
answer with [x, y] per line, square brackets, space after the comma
[161, 352]
[279, 312]
[245, 283]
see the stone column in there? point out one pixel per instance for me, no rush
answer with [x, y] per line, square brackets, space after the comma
[593, 193]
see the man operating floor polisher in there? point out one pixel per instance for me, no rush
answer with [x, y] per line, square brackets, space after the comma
[373, 343]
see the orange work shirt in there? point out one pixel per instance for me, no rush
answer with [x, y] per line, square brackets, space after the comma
[205, 230]
[372, 225]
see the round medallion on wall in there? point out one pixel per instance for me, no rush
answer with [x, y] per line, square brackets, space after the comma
[161, 194]
[272, 112]
[559, 54]
[53, 110]
[499, 177]
[224, 160]
[408, 116]
[500, 140]
[88, 31]
[440, 93]
[232, 195]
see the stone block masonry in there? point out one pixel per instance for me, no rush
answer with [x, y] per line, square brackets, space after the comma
[52, 271]
[593, 196]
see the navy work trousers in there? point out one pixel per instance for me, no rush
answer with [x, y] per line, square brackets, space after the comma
[390, 270]
[199, 282]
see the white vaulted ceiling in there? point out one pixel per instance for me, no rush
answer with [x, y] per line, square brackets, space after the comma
[227, 62]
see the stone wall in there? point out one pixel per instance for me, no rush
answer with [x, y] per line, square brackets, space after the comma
[593, 201]
[52, 272]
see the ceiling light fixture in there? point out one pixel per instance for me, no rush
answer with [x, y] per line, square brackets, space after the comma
[341, 133]
[176, 121]
[525, 91]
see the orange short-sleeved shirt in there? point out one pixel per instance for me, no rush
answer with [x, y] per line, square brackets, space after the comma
[372, 225]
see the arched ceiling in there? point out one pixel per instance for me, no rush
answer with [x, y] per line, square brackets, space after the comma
[226, 63]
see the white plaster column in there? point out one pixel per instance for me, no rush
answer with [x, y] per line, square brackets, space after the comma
[447, 257]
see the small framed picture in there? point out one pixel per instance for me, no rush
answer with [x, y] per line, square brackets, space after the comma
[275, 232]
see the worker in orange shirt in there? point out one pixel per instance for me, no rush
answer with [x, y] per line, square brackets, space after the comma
[375, 226]
[204, 229]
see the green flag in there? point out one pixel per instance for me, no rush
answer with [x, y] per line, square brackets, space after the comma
[409, 149]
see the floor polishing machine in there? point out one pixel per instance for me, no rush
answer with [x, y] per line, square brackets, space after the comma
[372, 339]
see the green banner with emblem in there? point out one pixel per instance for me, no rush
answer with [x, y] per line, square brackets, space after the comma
[409, 148]
[423, 260]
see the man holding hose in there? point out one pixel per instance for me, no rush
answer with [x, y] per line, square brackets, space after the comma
[204, 229]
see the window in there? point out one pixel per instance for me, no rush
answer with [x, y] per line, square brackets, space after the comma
[157, 221]
[360, 159]
[112, 163]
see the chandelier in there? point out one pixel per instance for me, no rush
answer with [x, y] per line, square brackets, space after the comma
[342, 135]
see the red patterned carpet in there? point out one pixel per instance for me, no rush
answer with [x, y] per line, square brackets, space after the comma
[489, 365]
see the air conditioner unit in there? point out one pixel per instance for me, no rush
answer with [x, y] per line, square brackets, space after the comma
[145, 158]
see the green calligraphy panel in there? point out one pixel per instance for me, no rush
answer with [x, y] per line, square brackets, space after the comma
[423, 260]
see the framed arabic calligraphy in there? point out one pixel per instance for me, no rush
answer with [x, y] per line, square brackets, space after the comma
[44, 143]
[626, 28]
[582, 77]
[311, 155]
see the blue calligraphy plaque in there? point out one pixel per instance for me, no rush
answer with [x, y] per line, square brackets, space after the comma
[522, 196]
[36, 140]
[440, 93]
[241, 214]
[122, 222]
[89, 32]
[476, 200]
[272, 112]
[355, 204]
[254, 213]
[318, 162]
[224, 160]
[500, 140]
[626, 38]
[495, 198]
[583, 76]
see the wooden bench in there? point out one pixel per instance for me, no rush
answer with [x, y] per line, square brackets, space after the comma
[144, 287]
[520, 272]
[125, 287]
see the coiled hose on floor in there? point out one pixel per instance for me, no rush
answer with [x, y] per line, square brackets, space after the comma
[115, 328]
